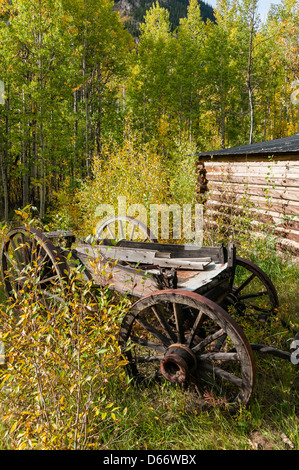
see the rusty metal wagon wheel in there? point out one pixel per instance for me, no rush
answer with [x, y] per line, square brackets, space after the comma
[253, 294]
[125, 228]
[186, 339]
[31, 263]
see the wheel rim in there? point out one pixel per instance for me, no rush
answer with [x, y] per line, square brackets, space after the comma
[187, 339]
[30, 261]
[253, 294]
[125, 228]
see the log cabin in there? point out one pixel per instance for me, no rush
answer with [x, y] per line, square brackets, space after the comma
[264, 176]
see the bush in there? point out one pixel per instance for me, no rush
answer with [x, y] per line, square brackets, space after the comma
[132, 170]
[60, 356]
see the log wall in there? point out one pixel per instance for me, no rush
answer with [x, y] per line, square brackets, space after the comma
[268, 187]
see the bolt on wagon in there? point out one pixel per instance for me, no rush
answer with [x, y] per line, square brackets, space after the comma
[183, 325]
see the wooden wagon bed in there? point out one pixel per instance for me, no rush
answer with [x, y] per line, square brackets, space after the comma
[139, 268]
[181, 326]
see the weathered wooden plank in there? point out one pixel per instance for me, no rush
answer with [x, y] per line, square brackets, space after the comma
[288, 234]
[254, 165]
[271, 186]
[287, 207]
[250, 172]
[129, 283]
[261, 215]
[265, 191]
[274, 170]
[59, 233]
[292, 246]
[106, 274]
[131, 255]
[279, 181]
[147, 257]
[282, 235]
[257, 179]
[279, 226]
[216, 253]
[181, 263]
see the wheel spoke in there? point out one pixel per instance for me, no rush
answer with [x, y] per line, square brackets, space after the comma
[252, 296]
[220, 356]
[245, 283]
[121, 230]
[147, 360]
[43, 261]
[160, 337]
[132, 232]
[147, 344]
[33, 250]
[124, 222]
[194, 329]
[178, 322]
[223, 374]
[11, 261]
[205, 342]
[23, 244]
[170, 334]
[29, 260]
[18, 254]
[110, 231]
[182, 338]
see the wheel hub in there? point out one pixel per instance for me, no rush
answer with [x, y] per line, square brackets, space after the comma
[232, 298]
[177, 363]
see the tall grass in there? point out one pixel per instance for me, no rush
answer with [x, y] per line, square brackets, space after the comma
[120, 415]
[125, 417]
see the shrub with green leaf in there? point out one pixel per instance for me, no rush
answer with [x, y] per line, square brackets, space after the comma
[132, 170]
[60, 356]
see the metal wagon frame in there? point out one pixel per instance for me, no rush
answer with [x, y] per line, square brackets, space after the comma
[183, 325]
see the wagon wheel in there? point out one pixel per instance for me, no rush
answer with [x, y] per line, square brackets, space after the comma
[187, 339]
[127, 228]
[31, 263]
[253, 294]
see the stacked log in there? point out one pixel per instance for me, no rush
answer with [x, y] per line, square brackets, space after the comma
[267, 186]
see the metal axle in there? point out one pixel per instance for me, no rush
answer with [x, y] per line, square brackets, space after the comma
[177, 363]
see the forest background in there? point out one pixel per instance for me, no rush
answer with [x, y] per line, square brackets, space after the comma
[91, 112]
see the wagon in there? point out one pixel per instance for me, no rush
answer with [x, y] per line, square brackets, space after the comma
[188, 302]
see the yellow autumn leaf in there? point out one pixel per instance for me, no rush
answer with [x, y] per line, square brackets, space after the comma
[14, 427]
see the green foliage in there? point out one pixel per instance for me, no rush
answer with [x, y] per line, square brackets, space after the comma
[73, 78]
[61, 93]
[182, 175]
[132, 170]
[91, 405]
[60, 356]
[122, 417]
